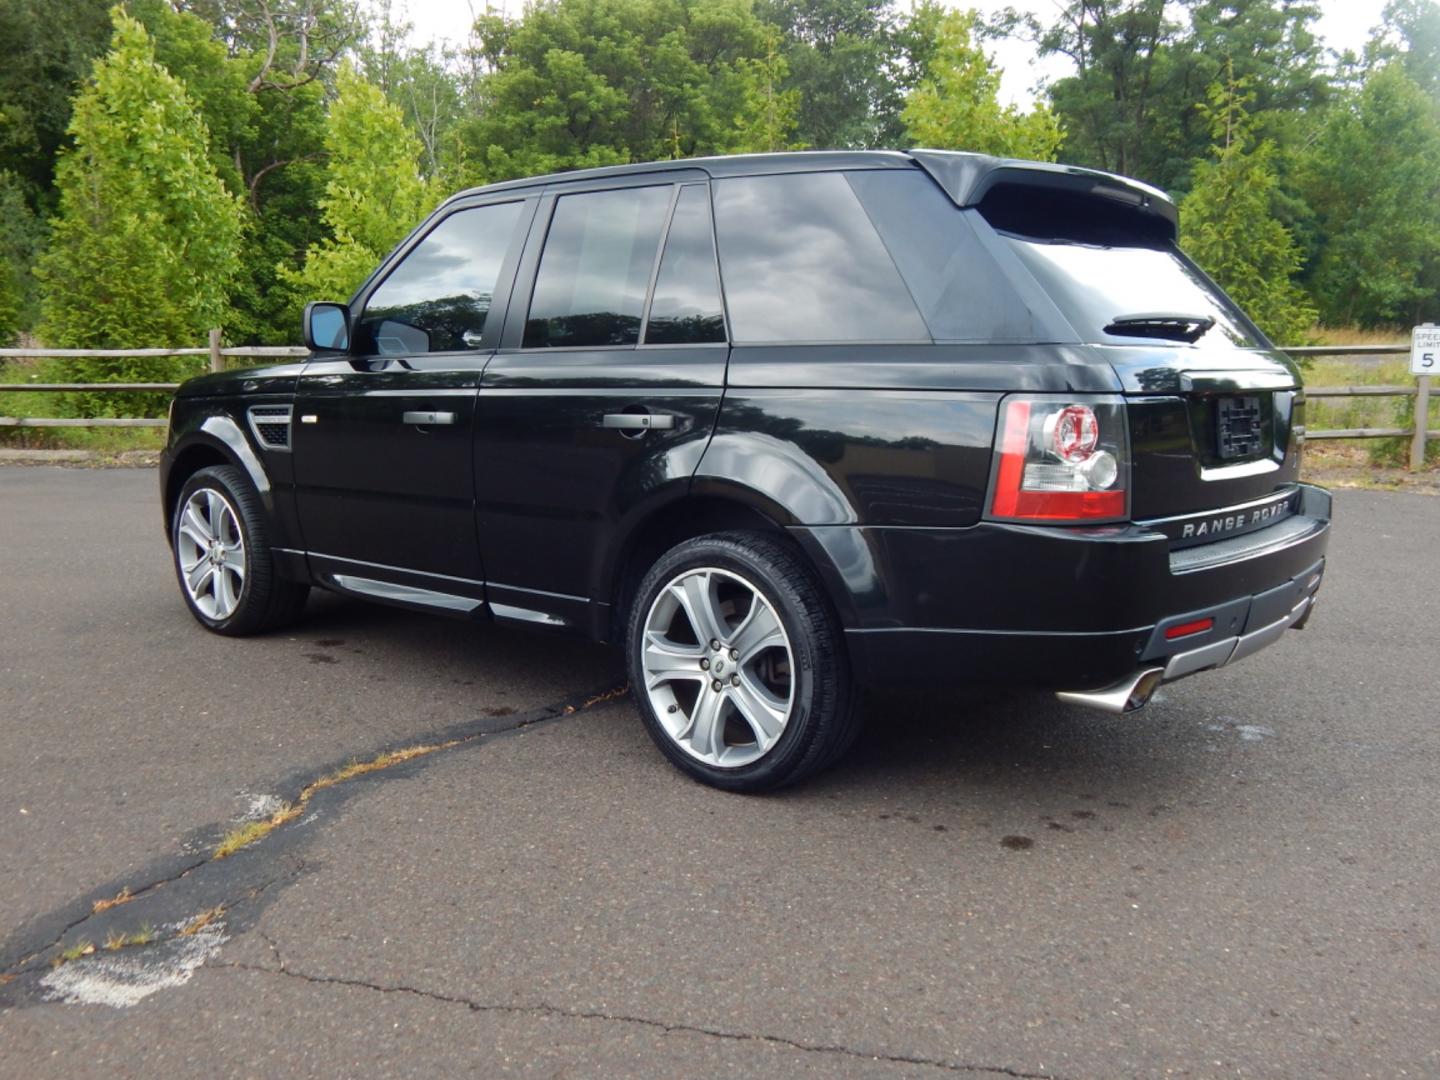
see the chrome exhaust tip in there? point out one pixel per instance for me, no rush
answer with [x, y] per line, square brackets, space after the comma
[1129, 694]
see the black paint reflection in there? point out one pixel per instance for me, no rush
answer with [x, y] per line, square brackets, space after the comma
[892, 459]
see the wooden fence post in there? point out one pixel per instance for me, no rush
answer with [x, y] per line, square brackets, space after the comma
[1421, 423]
[217, 361]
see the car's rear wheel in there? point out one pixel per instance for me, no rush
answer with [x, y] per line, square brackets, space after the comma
[738, 665]
[223, 558]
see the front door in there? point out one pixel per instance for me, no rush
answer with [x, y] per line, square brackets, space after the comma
[603, 393]
[382, 439]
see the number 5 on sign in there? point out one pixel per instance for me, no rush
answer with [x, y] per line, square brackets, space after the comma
[1425, 351]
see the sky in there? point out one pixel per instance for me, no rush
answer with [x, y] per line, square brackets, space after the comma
[1344, 24]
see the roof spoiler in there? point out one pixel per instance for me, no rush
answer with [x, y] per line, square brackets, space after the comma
[968, 178]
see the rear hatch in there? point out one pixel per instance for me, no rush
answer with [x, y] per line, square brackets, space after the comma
[1215, 411]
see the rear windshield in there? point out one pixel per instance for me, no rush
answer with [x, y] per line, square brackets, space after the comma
[1098, 286]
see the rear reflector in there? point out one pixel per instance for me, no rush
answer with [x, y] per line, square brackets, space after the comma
[1186, 629]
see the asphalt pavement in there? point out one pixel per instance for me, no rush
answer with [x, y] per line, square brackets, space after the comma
[1240, 880]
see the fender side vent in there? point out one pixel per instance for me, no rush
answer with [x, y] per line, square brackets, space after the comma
[271, 426]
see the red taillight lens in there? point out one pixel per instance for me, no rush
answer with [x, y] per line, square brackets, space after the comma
[1074, 433]
[1198, 626]
[1061, 461]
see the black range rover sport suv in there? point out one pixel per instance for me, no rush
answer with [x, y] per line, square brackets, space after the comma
[781, 426]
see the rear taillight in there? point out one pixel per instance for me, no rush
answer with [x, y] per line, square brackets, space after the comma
[1061, 461]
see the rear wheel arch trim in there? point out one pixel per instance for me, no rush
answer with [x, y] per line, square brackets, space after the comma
[662, 526]
[778, 476]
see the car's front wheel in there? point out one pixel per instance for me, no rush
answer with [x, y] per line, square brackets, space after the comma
[738, 665]
[223, 558]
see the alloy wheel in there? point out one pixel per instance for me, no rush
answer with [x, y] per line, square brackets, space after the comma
[718, 667]
[210, 550]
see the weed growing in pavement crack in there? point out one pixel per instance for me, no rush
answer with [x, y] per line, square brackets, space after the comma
[124, 896]
[204, 919]
[74, 952]
[244, 835]
[123, 940]
[250, 832]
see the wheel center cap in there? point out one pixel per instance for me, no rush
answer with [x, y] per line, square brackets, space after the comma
[719, 666]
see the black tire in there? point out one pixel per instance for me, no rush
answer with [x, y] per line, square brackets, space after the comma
[263, 599]
[823, 719]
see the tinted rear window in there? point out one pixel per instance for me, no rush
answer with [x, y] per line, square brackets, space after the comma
[599, 252]
[802, 262]
[686, 309]
[1095, 284]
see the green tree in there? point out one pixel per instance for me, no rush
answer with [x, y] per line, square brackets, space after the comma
[144, 247]
[1141, 65]
[1121, 53]
[958, 106]
[769, 113]
[374, 194]
[1410, 32]
[1228, 226]
[427, 86]
[598, 82]
[259, 71]
[20, 240]
[49, 47]
[847, 60]
[1372, 177]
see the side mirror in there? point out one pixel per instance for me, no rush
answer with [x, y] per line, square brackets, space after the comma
[327, 327]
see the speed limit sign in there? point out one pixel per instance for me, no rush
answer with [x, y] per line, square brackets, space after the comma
[1425, 351]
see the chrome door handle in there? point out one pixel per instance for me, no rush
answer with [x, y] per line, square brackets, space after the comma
[472, 338]
[637, 421]
[428, 418]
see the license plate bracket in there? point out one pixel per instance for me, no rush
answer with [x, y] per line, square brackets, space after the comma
[1239, 428]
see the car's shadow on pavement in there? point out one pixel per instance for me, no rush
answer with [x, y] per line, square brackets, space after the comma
[1012, 747]
[342, 628]
[1022, 752]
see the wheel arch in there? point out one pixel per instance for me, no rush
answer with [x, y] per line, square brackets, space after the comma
[717, 508]
[217, 440]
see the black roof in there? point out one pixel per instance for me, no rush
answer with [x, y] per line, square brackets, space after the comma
[965, 177]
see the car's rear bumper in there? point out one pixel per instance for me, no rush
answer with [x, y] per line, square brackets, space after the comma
[1063, 607]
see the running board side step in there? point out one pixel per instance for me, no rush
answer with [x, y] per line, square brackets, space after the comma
[1129, 694]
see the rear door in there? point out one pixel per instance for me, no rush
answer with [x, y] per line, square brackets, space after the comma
[605, 388]
[382, 449]
[1216, 413]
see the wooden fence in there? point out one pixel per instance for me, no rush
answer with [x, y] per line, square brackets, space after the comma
[217, 355]
[1418, 431]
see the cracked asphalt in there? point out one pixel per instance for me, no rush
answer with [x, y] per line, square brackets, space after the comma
[1238, 881]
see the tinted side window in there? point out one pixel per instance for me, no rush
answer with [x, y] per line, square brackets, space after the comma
[803, 263]
[686, 309]
[438, 298]
[961, 290]
[595, 269]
